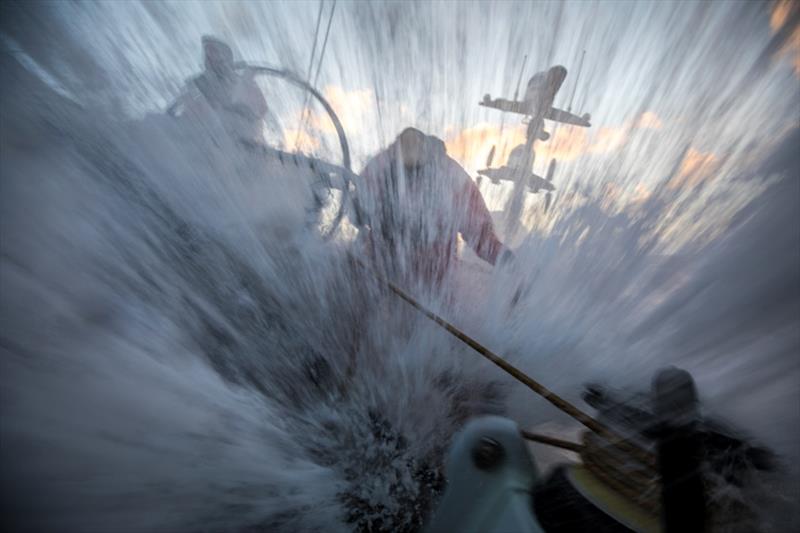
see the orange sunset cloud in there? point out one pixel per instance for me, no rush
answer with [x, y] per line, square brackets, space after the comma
[695, 168]
[781, 14]
[649, 121]
[352, 107]
[300, 140]
[471, 146]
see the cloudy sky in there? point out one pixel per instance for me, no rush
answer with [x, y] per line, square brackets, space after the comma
[705, 88]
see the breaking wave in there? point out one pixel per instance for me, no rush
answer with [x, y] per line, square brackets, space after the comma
[182, 352]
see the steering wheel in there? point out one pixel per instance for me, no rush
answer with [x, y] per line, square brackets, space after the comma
[322, 169]
[345, 170]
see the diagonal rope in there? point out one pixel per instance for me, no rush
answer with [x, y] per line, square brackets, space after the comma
[563, 405]
[552, 441]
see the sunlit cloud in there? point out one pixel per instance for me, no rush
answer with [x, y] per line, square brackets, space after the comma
[610, 193]
[609, 139]
[697, 167]
[566, 144]
[649, 120]
[471, 146]
[641, 193]
[300, 139]
[354, 109]
[783, 12]
[780, 14]
[614, 197]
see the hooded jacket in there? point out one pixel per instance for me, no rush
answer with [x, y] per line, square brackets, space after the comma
[416, 213]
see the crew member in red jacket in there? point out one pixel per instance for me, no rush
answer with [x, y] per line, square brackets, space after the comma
[417, 201]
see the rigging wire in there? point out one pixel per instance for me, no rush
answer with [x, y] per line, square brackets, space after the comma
[314, 48]
[577, 79]
[310, 68]
[324, 43]
[306, 113]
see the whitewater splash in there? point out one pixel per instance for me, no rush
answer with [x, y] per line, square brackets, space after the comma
[180, 352]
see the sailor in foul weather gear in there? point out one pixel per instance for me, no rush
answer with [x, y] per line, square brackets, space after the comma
[418, 200]
[232, 95]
